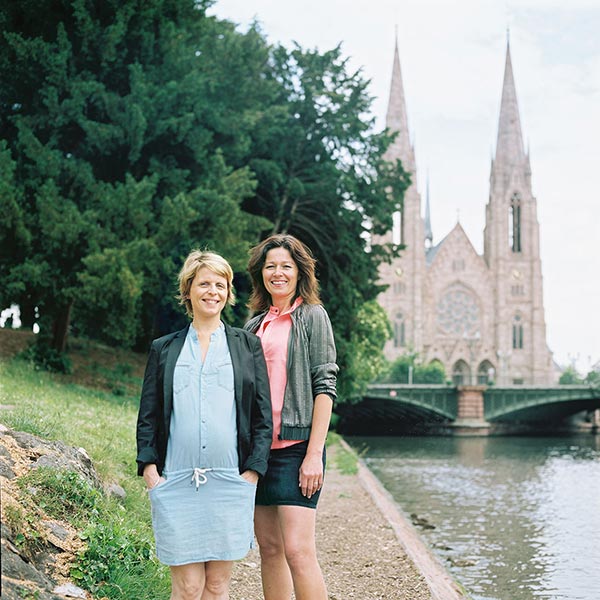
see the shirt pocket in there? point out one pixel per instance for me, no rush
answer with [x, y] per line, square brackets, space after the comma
[225, 375]
[181, 377]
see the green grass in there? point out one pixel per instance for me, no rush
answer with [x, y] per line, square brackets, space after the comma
[345, 461]
[119, 561]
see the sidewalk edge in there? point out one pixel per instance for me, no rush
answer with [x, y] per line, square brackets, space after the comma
[441, 584]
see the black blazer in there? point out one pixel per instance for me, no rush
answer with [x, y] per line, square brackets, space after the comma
[252, 400]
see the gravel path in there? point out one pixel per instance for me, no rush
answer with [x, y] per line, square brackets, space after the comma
[359, 552]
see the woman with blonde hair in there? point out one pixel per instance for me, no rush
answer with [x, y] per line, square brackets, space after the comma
[299, 348]
[203, 434]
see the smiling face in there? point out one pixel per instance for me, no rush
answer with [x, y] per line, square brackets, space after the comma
[208, 294]
[280, 276]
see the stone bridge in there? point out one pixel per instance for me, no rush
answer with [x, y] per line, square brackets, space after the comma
[467, 409]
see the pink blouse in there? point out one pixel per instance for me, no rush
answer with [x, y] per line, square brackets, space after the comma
[274, 332]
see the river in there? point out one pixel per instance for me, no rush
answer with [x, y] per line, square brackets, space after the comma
[514, 518]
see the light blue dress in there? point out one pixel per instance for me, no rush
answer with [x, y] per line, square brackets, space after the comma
[204, 510]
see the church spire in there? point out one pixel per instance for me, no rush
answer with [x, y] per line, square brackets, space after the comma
[428, 231]
[397, 120]
[509, 146]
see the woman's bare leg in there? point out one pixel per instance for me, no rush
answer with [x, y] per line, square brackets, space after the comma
[274, 571]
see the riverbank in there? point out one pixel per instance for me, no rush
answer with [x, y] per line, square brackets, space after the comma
[367, 549]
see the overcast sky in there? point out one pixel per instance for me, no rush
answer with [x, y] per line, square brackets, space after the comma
[452, 55]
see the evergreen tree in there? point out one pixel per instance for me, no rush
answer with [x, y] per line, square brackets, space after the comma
[116, 131]
[321, 177]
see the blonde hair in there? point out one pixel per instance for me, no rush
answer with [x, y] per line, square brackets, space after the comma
[196, 260]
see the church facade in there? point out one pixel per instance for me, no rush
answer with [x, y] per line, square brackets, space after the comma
[480, 316]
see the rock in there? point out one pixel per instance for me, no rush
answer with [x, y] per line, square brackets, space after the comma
[70, 591]
[421, 521]
[5, 470]
[15, 567]
[3, 450]
[58, 455]
[117, 491]
[462, 562]
[32, 574]
[56, 529]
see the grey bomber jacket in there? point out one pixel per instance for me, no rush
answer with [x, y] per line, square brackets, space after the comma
[311, 367]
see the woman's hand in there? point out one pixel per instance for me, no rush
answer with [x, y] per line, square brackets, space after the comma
[311, 474]
[151, 476]
[250, 477]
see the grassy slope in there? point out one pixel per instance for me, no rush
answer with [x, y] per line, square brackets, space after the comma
[58, 408]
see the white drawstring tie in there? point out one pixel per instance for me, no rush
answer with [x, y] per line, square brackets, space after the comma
[199, 477]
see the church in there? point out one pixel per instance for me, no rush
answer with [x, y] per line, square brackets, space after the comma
[480, 316]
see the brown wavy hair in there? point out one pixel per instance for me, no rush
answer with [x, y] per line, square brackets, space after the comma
[308, 286]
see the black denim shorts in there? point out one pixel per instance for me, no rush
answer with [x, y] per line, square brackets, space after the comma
[279, 486]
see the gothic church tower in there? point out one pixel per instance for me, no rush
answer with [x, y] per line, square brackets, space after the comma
[403, 299]
[512, 252]
[480, 316]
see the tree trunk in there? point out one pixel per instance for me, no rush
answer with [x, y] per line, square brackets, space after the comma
[60, 328]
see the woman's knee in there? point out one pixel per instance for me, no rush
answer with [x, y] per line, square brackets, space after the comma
[270, 547]
[187, 589]
[217, 584]
[300, 555]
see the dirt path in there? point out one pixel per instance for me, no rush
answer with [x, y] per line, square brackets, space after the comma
[359, 552]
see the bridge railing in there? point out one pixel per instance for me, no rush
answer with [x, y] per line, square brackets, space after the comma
[501, 401]
[440, 399]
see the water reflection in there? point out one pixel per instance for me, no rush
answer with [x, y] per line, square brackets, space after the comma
[515, 518]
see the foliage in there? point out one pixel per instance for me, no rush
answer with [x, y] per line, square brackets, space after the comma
[23, 529]
[50, 359]
[115, 131]
[398, 371]
[570, 376]
[115, 553]
[321, 176]
[63, 494]
[369, 332]
[131, 133]
[593, 377]
[117, 561]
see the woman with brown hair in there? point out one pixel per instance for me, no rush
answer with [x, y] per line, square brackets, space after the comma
[299, 349]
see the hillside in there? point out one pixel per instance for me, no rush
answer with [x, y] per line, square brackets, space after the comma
[95, 365]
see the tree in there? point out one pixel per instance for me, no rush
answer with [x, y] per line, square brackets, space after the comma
[365, 361]
[399, 371]
[593, 377]
[114, 163]
[321, 176]
[570, 376]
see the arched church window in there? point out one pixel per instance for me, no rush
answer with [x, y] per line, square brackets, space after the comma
[514, 223]
[399, 331]
[486, 373]
[457, 312]
[461, 374]
[517, 333]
